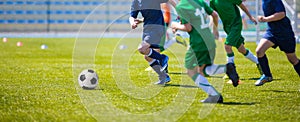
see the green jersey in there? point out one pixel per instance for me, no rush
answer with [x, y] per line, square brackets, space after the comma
[195, 12]
[229, 13]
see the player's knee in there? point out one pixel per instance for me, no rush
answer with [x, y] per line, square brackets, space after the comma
[142, 50]
[259, 53]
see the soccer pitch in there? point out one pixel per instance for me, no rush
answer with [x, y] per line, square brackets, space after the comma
[41, 85]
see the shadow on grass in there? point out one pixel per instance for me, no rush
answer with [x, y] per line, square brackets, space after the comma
[177, 85]
[238, 103]
[258, 78]
[89, 89]
[279, 91]
[177, 73]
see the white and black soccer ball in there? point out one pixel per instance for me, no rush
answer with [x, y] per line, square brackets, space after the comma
[88, 79]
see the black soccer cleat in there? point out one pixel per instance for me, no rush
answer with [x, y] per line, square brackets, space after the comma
[232, 74]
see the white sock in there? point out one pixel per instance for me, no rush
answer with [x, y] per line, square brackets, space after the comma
[169, 43]
[205, 86]
[252, 57]
[230, 59]
[215, 69]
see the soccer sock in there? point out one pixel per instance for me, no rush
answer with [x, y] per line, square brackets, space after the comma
[297, 67]
[214, 69]
[251, 57]
[202, 82]
[155, 55]
[264, 63]
[230, 57]
[156, 67]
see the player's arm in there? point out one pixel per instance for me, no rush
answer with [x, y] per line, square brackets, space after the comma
[215, 18]
[184, 27]
[274, 17]
[245, 9]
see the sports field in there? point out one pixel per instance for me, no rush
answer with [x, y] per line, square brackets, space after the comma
[41, 85]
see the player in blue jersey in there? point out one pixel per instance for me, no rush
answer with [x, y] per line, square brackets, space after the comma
[153, 35]
[280, 34]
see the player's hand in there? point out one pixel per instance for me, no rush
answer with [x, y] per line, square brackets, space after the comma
[253, 20]
[134, 25]
[261, 18]
[174, 26]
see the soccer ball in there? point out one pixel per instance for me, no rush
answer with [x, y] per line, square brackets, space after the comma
[88, 79]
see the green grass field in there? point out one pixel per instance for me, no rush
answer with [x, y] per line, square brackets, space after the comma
[41, 85]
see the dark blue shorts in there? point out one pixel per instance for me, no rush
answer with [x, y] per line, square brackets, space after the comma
[286, 43]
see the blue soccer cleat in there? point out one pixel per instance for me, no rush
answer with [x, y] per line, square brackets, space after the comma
[263, 79]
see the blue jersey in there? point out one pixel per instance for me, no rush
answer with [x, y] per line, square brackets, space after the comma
[280, 27]
[150, 10]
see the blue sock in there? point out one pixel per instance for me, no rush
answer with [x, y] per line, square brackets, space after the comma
[155, 55]
[297, 68]
[264, 63]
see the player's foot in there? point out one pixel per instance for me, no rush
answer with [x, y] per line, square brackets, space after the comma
[263, 79]
[168, 79]
[164, 64]
[213, 99]
[180, 39]
[160, 82]
[259, 69]
[232, 74]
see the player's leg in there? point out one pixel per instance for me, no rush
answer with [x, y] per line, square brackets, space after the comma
[262, 47]
[154, 59]
[295, 61]
[213, 95]
[249, 55]
[196, 73]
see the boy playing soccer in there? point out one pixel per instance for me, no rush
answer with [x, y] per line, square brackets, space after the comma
[232, 23]
[279, 33]
[199, 58]
[153, 34]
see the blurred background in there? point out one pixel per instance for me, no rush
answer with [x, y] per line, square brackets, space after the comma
[90, 16]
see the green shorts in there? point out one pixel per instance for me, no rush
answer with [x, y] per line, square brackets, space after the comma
[234, 38]
[198, 58]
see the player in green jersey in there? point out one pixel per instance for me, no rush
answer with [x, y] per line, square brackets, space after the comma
[232, 23]
[199, 58]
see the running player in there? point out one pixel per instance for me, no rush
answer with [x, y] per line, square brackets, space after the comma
[153, 34]
[201, 53]
[232, 24]
[279, 33]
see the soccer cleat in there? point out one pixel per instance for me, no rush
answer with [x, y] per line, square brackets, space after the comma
[168, 79]
[164, 64]
[259, 69]
[263, 79]
[160, 82]
[163, 82]
[213, 99]
[180, 39]
[232, 74]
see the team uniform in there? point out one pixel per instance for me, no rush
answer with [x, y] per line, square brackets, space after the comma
[231, 18]
[229, 13]
[154, 34]
[281, 34]
[202, 45]
[154, 25]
